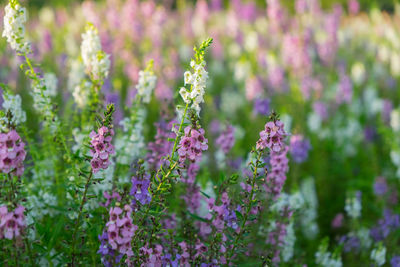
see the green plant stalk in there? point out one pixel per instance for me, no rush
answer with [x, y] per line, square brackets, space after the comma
[253, 182]
[77, 222]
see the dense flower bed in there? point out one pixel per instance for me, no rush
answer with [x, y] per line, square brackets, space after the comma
[274, 143]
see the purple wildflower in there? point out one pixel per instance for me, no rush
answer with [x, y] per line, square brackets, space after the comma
[299, 147]
[390, 222]
[192, 144]
[395, 261]
[12, 153]
[12, 223]
[161, 145]
[140, 189]
[380, 186]
[227, 139]
[272, 136]
[101, 148]
[262, 106]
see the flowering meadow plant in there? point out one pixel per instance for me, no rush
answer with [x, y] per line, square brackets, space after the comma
[274, 143]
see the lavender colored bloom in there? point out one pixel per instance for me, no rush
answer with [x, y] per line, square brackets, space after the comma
[338, 220]
[140, 189]
[299, 147]
[227, 139]
[276, 177]
[387, 110]
[12, 153]
[214, 126]
[345, 90]
[272, 136]
[321, 109]
[390, 222]
[395, 261]
[12, 223]
[350, 243]
[161, 145]
[101, 148]
[262, 106]
[380, 186]
[192, 144]
[107, 252]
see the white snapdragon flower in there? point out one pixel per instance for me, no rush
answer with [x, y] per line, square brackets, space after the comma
[81, 94]
[14, 27]
[76, 74]
[12, 103]
[41, 98]
[325, 258]
[378, 255]
[90, 45]
[197, 79]
[146, 85]
[101, 65]
[353, 206]
[50, 81]
[95, 60]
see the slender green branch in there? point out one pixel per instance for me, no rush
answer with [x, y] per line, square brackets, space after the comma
[77, 222]
[246, 215]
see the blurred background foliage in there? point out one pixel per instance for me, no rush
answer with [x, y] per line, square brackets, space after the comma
[387, 5]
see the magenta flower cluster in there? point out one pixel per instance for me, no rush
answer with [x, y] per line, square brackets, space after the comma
[192, 144]
[272, 136]
[120, 230]
[12, 153]
[12, 223]
[101, 148]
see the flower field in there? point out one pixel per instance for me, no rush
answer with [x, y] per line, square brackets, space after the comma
[199, 133]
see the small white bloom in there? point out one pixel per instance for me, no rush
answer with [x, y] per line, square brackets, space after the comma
[14, 27]
[197, 80]
[353, 206]
[326, 259]
[395, 120]
[76, 74]
[81, 94]
[95, 60]
[50, 81]
[12, 103]
[147, 84]
[378, 255]
[100, 65]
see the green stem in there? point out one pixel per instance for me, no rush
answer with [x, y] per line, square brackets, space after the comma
[29, 252]
[77, 222]
[179, 131]
[253, 182]
[11, 193]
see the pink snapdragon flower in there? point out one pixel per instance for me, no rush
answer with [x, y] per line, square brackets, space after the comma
[272, 136]
[101, 148]
[120, 230]
[192, 144]
[12, 223]
[12, 153]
